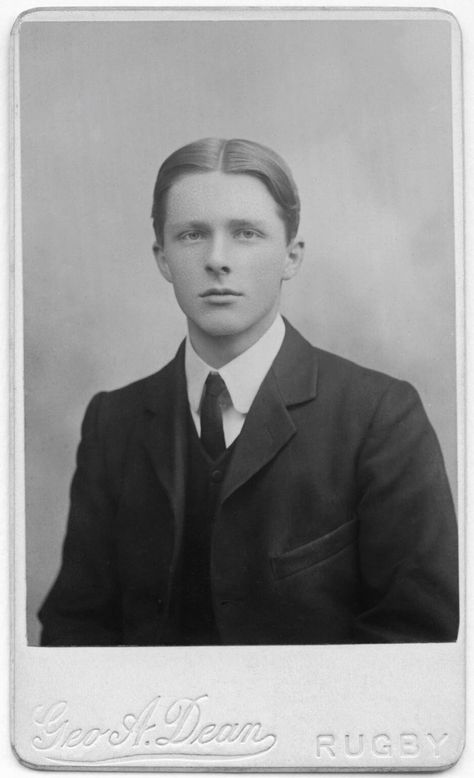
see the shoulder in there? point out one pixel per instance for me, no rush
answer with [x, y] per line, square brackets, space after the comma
[348, 384]
[341, 372]
[380, 398]
[126, 402]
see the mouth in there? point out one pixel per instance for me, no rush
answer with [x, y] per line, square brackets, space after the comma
[220, 292]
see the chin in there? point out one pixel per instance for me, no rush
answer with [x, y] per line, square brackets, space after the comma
[222, 330]
[222, 325]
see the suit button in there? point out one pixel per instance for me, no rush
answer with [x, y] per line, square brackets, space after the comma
[217, 476]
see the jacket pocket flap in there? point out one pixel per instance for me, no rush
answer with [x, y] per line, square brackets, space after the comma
[316, 551]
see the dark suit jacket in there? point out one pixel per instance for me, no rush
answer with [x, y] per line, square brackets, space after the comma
[335, 522]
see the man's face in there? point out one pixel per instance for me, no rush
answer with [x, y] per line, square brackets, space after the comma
[225, 252]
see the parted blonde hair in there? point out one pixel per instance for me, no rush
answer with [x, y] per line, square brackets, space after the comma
[236, 157]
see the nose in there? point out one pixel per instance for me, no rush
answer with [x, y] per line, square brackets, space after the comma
[217, 257]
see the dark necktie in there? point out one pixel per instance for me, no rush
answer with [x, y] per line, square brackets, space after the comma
[212, 430]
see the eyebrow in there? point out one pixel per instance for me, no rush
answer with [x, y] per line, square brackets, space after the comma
[233, 223]
[236, 223]
[188, 225]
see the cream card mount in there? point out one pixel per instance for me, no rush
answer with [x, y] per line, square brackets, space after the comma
[295, 603]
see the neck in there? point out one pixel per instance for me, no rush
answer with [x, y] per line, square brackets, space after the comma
[217, 350]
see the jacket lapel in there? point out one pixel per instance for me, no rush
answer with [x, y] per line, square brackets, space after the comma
[165, 429]
[291, 380]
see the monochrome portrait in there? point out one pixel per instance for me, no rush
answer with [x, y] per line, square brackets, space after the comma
[240, 332]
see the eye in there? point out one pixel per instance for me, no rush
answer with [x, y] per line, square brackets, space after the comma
[192, 236]
[248, 234]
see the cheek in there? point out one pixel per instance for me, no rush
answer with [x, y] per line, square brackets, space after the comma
[184, 276]
[269, 272]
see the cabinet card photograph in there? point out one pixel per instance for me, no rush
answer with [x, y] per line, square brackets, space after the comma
[239, 398]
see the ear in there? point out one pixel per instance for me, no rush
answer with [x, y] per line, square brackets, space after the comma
[160, 259]
[294, 258]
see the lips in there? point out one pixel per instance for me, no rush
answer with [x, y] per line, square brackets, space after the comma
[220, 291]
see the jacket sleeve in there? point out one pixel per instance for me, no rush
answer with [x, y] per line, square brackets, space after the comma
[82, 607]
[408, 543]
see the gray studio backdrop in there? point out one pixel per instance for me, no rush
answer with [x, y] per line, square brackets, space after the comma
[361, 110]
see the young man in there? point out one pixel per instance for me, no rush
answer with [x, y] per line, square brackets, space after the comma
[256, 489]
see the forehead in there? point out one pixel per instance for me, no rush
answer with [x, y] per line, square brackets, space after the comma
[220, 196]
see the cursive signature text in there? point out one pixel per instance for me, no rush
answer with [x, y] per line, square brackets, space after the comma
[176, 729]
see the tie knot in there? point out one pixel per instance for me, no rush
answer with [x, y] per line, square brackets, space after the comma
[215, 385]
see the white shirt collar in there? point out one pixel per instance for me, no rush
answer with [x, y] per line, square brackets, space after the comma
[242, 375]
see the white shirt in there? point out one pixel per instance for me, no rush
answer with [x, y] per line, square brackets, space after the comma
[242, 376]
